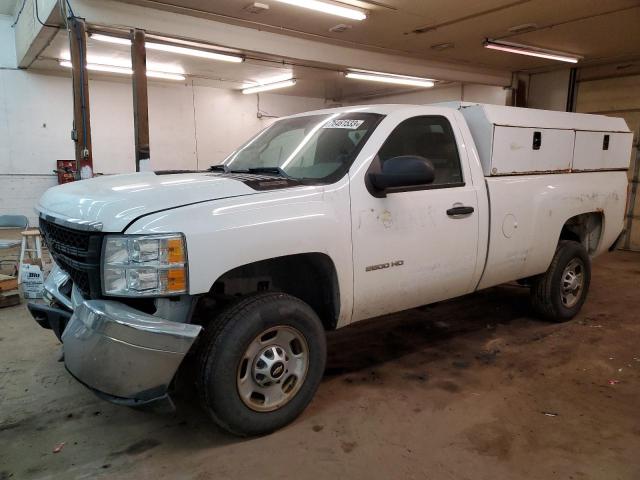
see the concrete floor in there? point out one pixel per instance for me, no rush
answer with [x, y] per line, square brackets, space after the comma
[469, 389]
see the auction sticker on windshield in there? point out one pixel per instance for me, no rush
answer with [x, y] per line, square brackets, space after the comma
[343, 123]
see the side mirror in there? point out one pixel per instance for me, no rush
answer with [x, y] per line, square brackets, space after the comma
[403, 171]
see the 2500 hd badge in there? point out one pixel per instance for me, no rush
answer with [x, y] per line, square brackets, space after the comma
[382, 266]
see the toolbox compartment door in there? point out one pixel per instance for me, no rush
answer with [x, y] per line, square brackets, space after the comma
[526, 150]
[602, 150]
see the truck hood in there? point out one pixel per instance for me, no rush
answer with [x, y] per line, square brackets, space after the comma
[114, 201]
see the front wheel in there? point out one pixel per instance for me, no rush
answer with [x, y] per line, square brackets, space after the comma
[561, 291]
[261, 362]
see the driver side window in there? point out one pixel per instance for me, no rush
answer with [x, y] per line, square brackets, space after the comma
[430, 137]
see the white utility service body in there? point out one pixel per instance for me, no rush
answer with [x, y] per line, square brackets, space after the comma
[527, 178]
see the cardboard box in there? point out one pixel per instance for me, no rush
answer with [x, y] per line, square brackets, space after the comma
[31, 280]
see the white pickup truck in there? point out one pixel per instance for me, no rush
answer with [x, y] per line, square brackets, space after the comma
[322, 219]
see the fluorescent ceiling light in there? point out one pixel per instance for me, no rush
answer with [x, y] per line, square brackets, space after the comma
[126, 62]
[110, 39]
[158, 67]
[100, 68]
[269, 86]
[194, 52]
[267, 81]
[165, 47]
[530, 51]
[391, 78]
[165, 75]
[124, 70]
[329, 7]
[102, 60]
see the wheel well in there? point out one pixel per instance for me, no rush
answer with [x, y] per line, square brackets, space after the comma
[585, 228]
[311, 277]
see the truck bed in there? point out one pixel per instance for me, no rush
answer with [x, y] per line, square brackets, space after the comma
[527, 213]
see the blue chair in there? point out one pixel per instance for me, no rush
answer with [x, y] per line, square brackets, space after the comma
[12, 221]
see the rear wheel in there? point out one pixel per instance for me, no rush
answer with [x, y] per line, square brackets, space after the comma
[260, 363]
[561, 291]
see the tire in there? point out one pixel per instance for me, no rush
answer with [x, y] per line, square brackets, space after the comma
[261, 338]
[554, 295]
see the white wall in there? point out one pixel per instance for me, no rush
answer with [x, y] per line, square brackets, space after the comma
[7, 43]
[485, 94]
[35, 121]
[455, 92]
[190, 127]
[548, 91]
[236, 120]
[18, 193]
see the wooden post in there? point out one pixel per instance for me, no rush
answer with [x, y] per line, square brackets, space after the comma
[81, 133]
[140, 100]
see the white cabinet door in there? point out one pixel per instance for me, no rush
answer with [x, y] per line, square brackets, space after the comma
[524, 150]
[601, 150]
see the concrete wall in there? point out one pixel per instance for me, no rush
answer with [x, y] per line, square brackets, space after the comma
[7, 43]
[191, 127]
[548, 91]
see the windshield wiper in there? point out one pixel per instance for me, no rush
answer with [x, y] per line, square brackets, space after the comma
[219, 168]
[272, 170]
[275, 170]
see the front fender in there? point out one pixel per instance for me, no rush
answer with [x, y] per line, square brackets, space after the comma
[225, 234]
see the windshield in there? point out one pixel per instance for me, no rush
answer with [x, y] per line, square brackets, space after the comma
[316, 147]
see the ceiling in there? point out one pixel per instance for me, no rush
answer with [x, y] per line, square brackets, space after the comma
[598, 30]
[7, 7]
[325, 82]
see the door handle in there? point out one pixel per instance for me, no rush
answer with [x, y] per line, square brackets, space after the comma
[459, 211]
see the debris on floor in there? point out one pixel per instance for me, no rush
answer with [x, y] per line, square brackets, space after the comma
[9, 295]
[58, 448]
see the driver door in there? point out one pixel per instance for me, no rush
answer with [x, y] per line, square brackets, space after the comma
[410, 248]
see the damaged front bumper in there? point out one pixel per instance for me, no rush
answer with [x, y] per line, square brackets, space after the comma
[122, 354]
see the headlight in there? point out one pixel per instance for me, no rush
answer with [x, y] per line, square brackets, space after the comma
[144, 265]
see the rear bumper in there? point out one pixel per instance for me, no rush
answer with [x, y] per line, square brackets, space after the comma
[123, 355]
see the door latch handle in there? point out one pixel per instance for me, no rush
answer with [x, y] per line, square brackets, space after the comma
[459, 211]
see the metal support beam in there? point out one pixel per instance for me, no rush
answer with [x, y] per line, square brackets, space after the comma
[572, 90]
[633, 192]
[519, 90]
[81, 133]
[140, 100]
